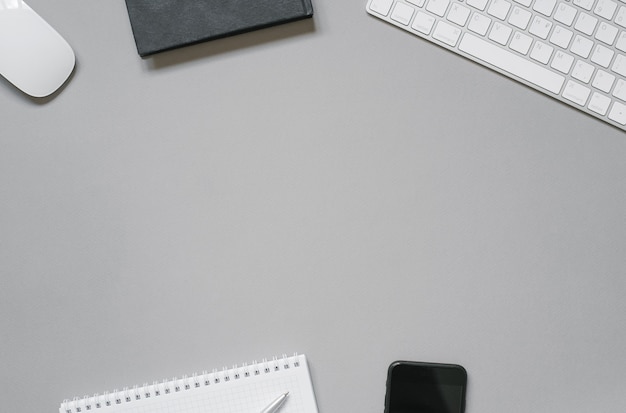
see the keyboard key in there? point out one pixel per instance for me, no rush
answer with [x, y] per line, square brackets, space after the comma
[458, 14]
[585, 4]
[606, 33]
[605, 8]
[620, 89]
[438, 7]
[581, 46]
[479, 24]
[545, 7]
[511, 63]
[541, 52]
[446, 33]
[423, 22]
[500, 33]
[619, 66]
[521, 43]
[602, 55]
[499, 9]
[583, 71]
[603, 81]
[618, 113]
[586, 23]
[565, 14]
[540, 27]
[621, 16]
[418, 3]
[621, 42]
[561, 37]
[576, 93]
[477, 4]
[562, 62]
[599, 103]
[520, 17]
[402, 13]
[525, 3]
[381, 7]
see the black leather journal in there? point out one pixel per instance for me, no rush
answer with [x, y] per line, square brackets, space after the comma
[160, 25]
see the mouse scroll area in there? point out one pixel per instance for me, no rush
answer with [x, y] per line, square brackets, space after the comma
[33, 56]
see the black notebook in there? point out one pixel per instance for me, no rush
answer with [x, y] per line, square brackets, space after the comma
[160, 25]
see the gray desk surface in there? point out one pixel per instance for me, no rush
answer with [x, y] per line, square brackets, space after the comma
[333, 187]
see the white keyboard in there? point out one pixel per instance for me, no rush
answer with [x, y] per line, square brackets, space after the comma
[574, 51]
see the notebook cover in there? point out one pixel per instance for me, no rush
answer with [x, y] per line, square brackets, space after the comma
[160, 25]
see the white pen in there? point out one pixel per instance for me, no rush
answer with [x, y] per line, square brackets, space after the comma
[275, 405]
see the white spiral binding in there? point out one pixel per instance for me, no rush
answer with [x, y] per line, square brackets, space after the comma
[100, 402]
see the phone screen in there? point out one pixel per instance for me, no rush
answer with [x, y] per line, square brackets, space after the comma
[425, 388]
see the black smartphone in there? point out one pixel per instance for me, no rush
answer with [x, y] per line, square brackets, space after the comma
[415, 387]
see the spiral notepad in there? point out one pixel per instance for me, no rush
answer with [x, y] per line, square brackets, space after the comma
[241, 389]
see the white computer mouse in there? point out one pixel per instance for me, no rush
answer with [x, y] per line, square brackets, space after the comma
[33, 56]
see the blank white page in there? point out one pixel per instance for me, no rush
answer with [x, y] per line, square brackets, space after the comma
[244, 389]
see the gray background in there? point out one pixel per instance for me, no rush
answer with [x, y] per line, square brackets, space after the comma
[334, 187]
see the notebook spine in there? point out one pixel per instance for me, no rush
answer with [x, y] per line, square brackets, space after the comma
[99, 402]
